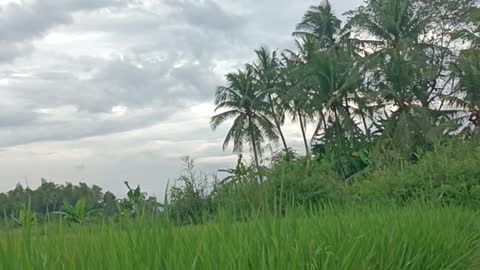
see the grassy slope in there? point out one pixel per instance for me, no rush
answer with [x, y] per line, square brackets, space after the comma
[408, 238]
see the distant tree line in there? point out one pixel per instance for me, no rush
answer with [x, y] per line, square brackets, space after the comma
[50, 198]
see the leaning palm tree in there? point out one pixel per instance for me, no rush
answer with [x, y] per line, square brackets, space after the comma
[267, 74]
[240, 100]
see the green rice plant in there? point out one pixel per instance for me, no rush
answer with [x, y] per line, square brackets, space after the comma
[410, 238]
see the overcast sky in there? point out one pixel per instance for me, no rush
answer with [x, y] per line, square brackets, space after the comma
[106, 91]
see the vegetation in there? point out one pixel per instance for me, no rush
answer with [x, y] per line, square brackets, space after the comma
[410, 84]
[75, 203]
[372, 238]
[393, 97]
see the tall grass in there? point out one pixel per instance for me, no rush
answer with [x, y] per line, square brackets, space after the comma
[415, 237]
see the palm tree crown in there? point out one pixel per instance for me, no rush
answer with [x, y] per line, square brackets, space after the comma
[242, 101]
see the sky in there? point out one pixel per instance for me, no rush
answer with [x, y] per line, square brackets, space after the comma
[107, 91]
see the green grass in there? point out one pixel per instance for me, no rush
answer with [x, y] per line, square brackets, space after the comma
[365, 238]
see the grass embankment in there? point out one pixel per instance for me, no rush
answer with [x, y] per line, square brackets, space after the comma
[370, 238]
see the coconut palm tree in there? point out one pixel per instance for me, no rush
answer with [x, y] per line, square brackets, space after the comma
[396, 62]
[390, 21]
[474, 33]
[297, 97]
[335, 79]
[242, 101]
[407, 68]
[320, 23]
[323, 51]
[468, 71]
[470, 75]
[267, 74]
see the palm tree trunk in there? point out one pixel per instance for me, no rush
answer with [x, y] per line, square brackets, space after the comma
[254, 143]
[317, 130]
[307, 151]
[364, 120]
[321, 122]
[277, 123]
[302, 127]
[324, 119]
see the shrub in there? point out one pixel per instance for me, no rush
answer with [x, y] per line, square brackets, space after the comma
[287, 185]
[450, 174]
[189, 199]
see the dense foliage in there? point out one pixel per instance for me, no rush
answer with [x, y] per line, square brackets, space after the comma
[400, 73]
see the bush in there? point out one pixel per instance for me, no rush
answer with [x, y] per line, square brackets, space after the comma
[288, 184]
[449, 175]
[189, 200]
[294, 183]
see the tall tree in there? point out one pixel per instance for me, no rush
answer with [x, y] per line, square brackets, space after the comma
[468, 71]
[266, 69]
[240, 100]
[297, 98]
[320, 23]
[389, 21]
[403, 68]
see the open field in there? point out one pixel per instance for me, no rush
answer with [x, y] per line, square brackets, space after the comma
[415, 237]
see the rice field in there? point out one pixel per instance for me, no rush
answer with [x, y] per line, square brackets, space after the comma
[366, 238]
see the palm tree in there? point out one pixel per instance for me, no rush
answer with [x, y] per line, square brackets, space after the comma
[320, 23]
[470, 75]
[297, 96]
[390, 21]
[474, 18]
[242, 101]
[396, 61]
[468, 71]
[327, 64]
[267, 75]
[335, 79]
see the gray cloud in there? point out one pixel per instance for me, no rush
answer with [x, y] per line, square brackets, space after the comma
[11, 50]
[20, 23]
[109, 90]
[16, 118]
[206, 15]
[29, 127]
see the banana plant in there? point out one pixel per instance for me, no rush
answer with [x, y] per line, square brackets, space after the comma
[134, 201]
[77, 213]
[25, 218]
